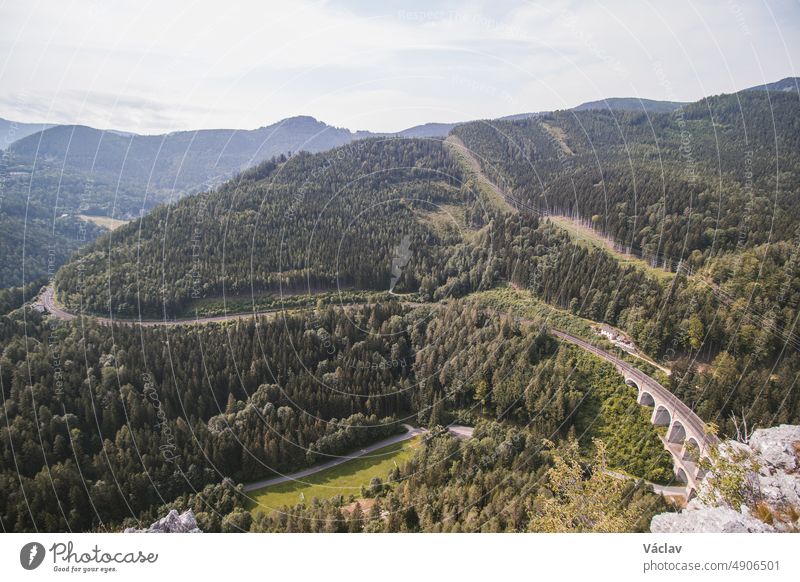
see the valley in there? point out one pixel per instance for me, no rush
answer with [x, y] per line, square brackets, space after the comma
[257, 345]
[679, 417]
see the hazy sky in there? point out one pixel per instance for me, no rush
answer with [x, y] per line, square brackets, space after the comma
[160, 66]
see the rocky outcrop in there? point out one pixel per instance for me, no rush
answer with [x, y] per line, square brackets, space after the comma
[778, 446]
[769, 466]
[700, 519]
[172, 523]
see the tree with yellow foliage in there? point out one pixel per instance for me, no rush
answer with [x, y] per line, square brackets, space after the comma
[577, 498]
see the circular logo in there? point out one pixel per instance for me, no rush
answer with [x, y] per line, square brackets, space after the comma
[31, 555]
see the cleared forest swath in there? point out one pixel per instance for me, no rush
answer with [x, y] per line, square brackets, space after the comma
[587, 235]
[489, 190]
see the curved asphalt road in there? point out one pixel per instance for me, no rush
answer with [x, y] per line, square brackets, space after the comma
[48, 301]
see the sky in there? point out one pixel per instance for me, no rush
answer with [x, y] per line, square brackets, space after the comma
[153, 67]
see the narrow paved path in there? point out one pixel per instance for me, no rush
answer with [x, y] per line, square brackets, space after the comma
[48, 301]
[665, 490]
[458, 431]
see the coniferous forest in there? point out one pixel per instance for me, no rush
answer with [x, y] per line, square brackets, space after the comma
[111, 425]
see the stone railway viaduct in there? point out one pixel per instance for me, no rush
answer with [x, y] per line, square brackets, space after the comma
[687, 439]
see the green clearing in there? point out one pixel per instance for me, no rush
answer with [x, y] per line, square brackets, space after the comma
[448, 219]
[345, 479]
[104, 221]
[522, 303]
[560, 136]
[611, 414]
[592, 239]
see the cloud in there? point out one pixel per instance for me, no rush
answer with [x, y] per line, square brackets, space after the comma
[158, 66]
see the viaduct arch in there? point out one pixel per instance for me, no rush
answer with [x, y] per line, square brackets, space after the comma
[686, 439]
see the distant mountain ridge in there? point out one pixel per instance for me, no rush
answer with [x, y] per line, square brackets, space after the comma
[787, 84]
[184, 161]
[631, 104]
[80, 170]
[223, 152]
[11, 131]
[430, 130]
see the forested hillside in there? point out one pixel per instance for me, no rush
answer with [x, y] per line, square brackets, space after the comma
[728, 330]
[144, 419]
[330, 220]
[129, 419]
[630, 104]
[37, 236]
[711, 188]
[11, 131]
[126, 173]
[707, 178]
[677, 188]
[151, 169]
[49, 178]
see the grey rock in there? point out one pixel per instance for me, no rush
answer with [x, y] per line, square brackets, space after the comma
[772, 486]
[708, 520]
[776, 446]
[172, 523]
[780, 489]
